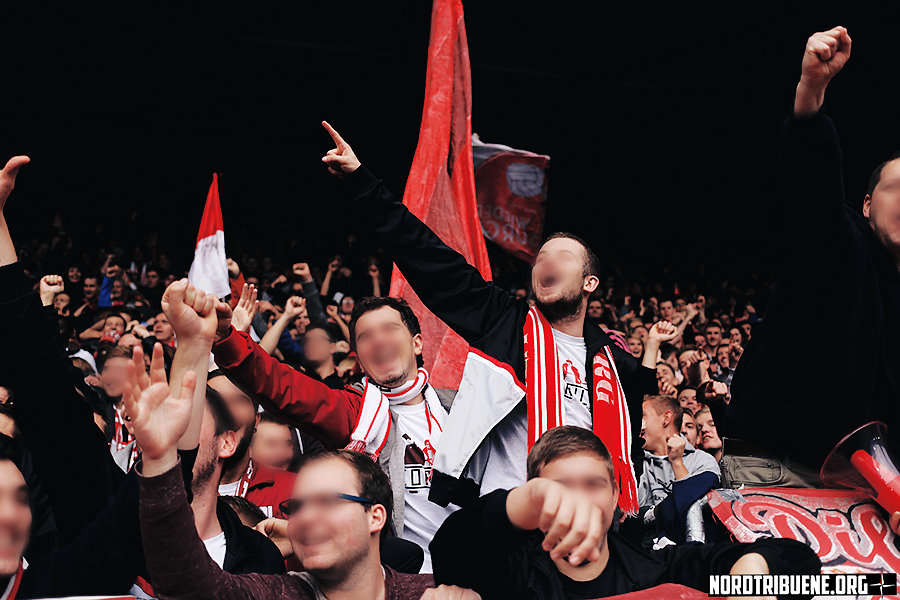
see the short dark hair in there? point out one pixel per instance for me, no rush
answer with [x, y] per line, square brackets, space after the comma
[591, 263]
[371, 303]
[221, 415]
[875, 177]
[563, 441]
[374, 484]
[249, 513]
[663, 403]
[327, 328]
[220, 373]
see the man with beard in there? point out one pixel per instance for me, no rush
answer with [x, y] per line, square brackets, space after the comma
[241, 476]
[528, 369]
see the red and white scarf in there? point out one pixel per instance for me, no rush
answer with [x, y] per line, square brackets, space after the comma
[609, 412]
[243, 485]
[12, 588]
[374, 421]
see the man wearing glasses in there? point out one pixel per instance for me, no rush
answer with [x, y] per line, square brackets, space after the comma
[337, 517]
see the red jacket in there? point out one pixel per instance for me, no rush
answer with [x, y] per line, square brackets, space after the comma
[269, 487]
[326, 414]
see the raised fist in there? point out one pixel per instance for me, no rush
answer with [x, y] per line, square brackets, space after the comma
[825, 55]
[301, 270]
[662, 331]
[50, 286]
[294, 307]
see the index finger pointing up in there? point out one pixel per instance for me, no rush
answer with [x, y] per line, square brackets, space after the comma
[338, 140]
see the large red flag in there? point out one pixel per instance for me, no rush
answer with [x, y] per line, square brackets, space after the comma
[441, 185]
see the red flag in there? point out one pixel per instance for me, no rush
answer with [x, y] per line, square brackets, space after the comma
[208, 271]
[511, 186]
[441, 185]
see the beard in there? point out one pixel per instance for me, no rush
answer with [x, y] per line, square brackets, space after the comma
[243, 447]
[203, 471]
[565, 307]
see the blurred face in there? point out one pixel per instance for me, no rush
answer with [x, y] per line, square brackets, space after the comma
[161, 328]
[665, 374]
[723, 354]
[713, 336]
[112, 379]
[317, 346]
[745, 328]
[653, 426]
[666, 310]
[272, 446]
[387, 350]
[61, 301]
[129, 340]
[689, 429]
[708, 436]
[587, 473]
[330, 537]
[73, 274]
[242, 410]
[4, 395]
[114, 324]
[636, 346]
[347, 305]
[882, 208]
[117, 289]
[521, 293]
[89, 288]
[687, 398]
[15, 518]
[680, 304]
[640, 332]
[558, 278]
[734, 336]
[595, 309]
[700, 340]
[152, 279]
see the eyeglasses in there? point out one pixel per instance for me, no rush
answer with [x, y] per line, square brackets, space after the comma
[325, 502]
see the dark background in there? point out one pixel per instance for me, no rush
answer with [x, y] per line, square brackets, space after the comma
[662, 126]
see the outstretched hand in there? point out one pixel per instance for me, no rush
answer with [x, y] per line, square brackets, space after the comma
[246, 309]
[158, 419]
[340, 160]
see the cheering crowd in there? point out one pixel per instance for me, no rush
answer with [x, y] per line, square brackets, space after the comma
[285, 441]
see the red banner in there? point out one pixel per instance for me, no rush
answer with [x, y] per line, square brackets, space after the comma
[511, 186]
[440, 189]
[846, 529]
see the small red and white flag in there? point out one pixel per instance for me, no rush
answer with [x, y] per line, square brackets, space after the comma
[208, 271]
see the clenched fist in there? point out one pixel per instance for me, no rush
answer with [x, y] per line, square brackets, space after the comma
[663, 331]
[825, 55]
[50, 286]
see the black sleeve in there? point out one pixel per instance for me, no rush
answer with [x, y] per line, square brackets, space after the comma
[68, 450]
[811, 185]
[449, 286]
[104, 559]
[692, 564]
[314, 303]
[473, 548]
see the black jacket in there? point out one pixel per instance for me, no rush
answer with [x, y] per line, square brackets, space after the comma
[826, 359]
[477, 547]
[487, 317]
[95, 504]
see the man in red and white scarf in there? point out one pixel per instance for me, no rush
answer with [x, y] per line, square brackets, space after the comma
[395, 417]
[573, 373]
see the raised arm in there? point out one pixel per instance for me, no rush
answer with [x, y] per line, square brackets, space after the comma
[193, 315]
[810, 164]
[310, 292]
[7, 182]
[293, 308]
[449, 286]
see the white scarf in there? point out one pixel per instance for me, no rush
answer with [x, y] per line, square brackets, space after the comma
[374, 422]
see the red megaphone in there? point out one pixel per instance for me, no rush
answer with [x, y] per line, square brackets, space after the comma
[862, 461]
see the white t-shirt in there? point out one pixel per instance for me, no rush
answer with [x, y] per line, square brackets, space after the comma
[229, 489]
[215, 547]
[421, 517]
[573, 381]
[505, 469]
